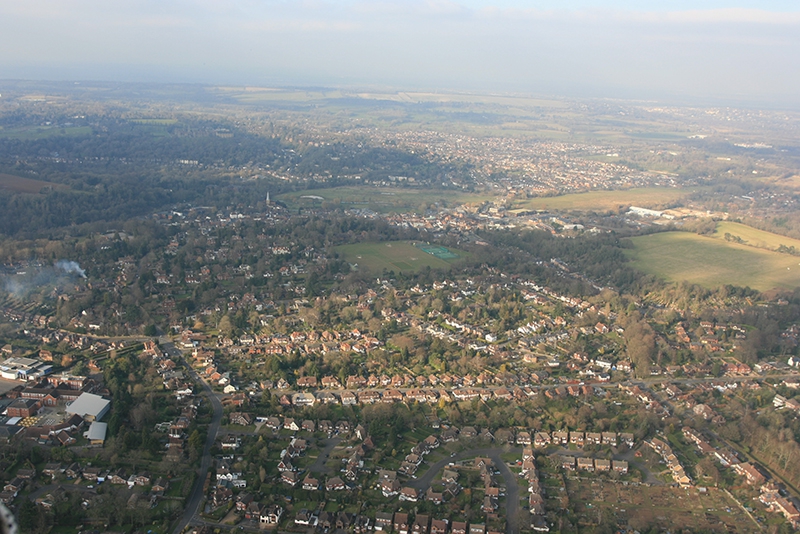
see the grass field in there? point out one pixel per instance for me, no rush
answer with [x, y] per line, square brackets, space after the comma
[712, 261]
[160, 122]
[41, 132]
[25, 185]
[607, 200]
[379, 199]
[398, 256]
[755, 237]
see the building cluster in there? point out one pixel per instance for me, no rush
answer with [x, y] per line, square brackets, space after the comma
[54, 409]
[599, 465]
[771, 494]
[535, 490]
[579, 438]
[676, 468]
[76, 471]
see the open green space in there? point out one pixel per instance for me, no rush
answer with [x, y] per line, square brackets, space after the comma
[755, 237]
[711, 261]
[645, 197]
[160, 122]
[379, 199]
[397, 256]
[28, 133]
[26, 185]
[665, 506]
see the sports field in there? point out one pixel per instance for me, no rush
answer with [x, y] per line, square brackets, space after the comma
[712, 261]
[644, 197]
[398, 256]
[25, 185]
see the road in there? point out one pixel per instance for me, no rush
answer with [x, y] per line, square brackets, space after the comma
[512, 487]
[319, 464]
[195, 499]
[512, 494]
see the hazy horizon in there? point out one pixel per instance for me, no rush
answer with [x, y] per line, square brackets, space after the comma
[705, 52]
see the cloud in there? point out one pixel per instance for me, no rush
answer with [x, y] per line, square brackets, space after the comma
[300, 25]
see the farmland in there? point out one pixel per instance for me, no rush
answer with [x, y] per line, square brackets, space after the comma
[396, 256]
[159, 122]
[378, 199]
[754, 237]
[42, 132]
[712, 261]
[651, 197]
[19, 184]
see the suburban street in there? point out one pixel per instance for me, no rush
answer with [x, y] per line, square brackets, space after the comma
[512, 487]
[195, 499]
[512, 497]
[319, 464]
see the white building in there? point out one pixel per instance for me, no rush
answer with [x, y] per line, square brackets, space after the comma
[89, 406]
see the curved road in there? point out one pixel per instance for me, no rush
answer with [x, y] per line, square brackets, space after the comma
[195, 499]
[319, 464]
[512, 487]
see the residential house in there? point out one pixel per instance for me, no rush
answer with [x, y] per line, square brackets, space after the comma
[421, 524]
[409, 494]
[401, 525]
[383, 521]
[271, 515]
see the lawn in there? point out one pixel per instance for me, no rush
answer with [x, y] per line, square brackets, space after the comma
[645, 197]
[712, 261]
[397, 256]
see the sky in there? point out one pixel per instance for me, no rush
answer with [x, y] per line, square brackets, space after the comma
[672, 50]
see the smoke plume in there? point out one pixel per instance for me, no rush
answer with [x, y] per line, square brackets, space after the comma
[58, 276]
[70, 267]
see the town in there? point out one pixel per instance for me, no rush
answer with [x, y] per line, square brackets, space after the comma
[244, 319]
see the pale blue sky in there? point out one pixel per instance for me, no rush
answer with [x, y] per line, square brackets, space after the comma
[642, 5]
[675, 50]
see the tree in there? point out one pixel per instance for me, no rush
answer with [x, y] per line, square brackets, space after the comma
[226, 326]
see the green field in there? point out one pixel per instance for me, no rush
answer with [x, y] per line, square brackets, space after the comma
[755, 237]
[645, 197]
[398, 256]
[41, 132]
[711, 261]
[379, 199]
[160, 122]
[25, 185]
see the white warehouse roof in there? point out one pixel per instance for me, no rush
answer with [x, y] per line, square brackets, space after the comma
[97, 431]
[89, 406]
